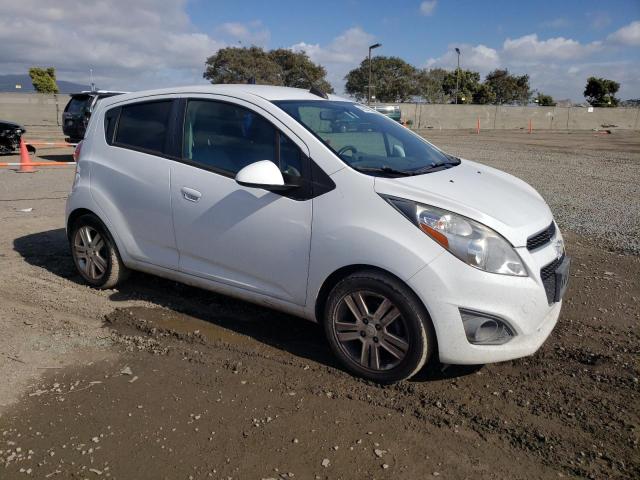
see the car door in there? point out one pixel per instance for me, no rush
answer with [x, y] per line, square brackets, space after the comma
[244, 237]
[130, 179]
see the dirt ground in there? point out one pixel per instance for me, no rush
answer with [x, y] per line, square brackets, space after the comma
[160, 380]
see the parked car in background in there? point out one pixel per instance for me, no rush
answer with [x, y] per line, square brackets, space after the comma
[391, 111]
[78, 111]
[10, 134]
[404, 253]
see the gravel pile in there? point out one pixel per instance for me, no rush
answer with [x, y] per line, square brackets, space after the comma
[591, 181]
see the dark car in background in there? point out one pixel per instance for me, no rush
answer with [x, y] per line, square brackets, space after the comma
[391, 111]
[78, 111]
[10, 134]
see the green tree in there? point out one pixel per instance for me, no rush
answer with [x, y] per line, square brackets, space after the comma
[393, 79]
[429, 85]
[509, 88]
[545, 100]
[276, 67]
[242, 65]
[467, 83]
[44, 79]
[600, 92]
[484, 95]
[297, 70]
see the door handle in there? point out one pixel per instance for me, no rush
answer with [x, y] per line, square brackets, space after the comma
[190, 194]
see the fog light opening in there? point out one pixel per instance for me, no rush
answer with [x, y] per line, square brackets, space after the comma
[484, 329]
[486, 332]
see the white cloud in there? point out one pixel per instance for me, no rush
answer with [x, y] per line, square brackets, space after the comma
[473, 57]
[564, 81]
[133, 45]
[247, 34]
[627, 35]
[529, 48]
[427, 7]
[340, 55]
[525, 50]
[149, 43]
[129, 45]
[558, 66]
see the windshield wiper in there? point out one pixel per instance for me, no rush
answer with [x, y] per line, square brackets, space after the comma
[383, 169]
[435, 167]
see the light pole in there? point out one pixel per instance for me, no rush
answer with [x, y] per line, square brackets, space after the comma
[371, 47]
[457, 74]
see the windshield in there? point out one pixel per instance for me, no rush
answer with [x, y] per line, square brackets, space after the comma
[365, 139]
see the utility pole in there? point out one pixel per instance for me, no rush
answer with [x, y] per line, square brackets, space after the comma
[371, 47]
[457, 74]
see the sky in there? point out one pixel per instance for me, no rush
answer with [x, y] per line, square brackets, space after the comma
[140, 44]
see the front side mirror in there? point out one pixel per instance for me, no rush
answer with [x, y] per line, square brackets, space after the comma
[263, 174]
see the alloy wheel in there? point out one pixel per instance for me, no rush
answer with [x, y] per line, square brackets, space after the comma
[371, 330]
[90, 252]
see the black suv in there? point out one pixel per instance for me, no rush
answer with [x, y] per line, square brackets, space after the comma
[77, 112]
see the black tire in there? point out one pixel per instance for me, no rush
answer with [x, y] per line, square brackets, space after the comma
[111, 270]
[412, 325]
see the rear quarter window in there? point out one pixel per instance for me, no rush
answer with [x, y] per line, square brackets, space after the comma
[110, 122]
[143, 126]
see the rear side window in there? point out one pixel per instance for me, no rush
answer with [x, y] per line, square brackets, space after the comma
[144, 126]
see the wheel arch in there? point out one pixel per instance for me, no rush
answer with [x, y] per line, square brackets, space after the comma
[334, 278]
[79, 212]
[75, 214]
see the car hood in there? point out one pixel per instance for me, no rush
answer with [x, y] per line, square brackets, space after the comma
[498, 200]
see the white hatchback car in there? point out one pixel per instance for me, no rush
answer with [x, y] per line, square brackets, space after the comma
[323, 208]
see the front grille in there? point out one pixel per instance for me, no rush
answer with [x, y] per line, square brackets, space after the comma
[540, 239]
[548, 276]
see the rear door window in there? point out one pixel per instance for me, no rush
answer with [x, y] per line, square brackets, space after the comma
[144, 126]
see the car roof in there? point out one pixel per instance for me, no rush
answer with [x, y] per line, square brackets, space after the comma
[267, 92]
[97, 92]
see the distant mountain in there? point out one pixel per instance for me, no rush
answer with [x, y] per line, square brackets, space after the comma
[8, 84]
[634, 102]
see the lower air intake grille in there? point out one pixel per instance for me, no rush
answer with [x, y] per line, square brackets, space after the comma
[548, 276]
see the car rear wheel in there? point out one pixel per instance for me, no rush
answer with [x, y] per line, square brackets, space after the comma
[378, 328]
[95, 254]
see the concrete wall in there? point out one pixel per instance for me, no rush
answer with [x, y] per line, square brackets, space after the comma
[32, 109]
[503, 117]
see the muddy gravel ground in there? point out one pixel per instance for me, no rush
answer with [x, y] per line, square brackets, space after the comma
[160, 380]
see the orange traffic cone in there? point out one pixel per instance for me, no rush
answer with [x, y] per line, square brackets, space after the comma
[26, 165]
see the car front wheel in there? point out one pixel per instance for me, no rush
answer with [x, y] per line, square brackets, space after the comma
[378, 328]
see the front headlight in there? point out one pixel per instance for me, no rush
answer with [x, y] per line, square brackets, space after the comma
[470, 241]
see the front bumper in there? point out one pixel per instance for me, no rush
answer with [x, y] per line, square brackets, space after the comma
[447, 284]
